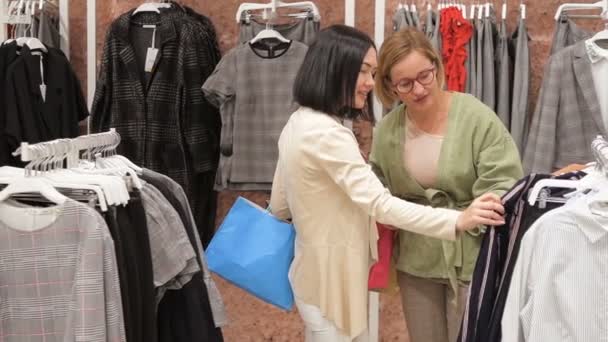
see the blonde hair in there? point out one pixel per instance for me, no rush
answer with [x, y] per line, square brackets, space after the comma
[393, 50]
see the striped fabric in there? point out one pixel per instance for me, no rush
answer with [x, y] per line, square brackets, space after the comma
[558, 291]
[165, 125]
[173, 258]
[60, 282]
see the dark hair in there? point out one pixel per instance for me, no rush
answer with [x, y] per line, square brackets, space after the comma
[327, 78]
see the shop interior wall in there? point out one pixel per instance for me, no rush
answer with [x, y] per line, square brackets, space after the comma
[252, 320]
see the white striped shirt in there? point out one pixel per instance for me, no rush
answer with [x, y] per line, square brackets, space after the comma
[559, 290]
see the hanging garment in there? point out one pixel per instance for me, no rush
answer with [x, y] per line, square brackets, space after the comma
[558, 291]
[60, 282]
[173, 259]
[521, 86]
[488, 94]
[129, 230]
[304, 30]
[166, 124]
[435, 33]
[184, 312]
[497, 257]
[504, 76]
[471, 62]
[478, 26]
[456, 32]
[567, 116]
[567, 33]
[40, 108]
[400, 20]
[599, 68]
[48, 26]
[254, 107]
[177, 198]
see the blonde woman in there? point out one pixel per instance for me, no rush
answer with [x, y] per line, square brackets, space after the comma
[443, 149]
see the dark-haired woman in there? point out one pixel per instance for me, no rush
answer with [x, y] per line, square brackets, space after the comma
[325, 186]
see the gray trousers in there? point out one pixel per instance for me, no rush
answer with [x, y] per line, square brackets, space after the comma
[431, 313]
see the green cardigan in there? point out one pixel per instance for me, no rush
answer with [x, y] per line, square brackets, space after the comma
[477, 156]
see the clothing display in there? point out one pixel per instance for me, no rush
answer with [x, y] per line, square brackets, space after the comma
[504, 75]
[153, 99]
[44, 25]
[521, 83]
[41, 97]
[497, 258]
[558, 290]
[481, 58]
[60, 278]
[567, 33]
[254, 107]
[567, 115]
[164, 288]
[455, 33]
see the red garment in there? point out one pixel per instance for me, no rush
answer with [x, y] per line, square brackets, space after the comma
[456, 32]
[379, 274]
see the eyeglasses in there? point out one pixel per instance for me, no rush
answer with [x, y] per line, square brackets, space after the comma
[425, 77]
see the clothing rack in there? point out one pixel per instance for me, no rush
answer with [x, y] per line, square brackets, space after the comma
[61, 149]
[64, 21]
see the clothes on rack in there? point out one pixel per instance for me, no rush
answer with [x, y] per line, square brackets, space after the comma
[59, 275]
[497, 257]
[558, 290]
[567, 33]
[504, 75]
[455, 33]
[255, 106]
[567, 115]
[154, 101]
[165, 289]
[519, 125]
[41, 99]
[44, 25]
[493, 65]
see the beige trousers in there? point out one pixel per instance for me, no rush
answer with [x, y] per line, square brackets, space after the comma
[430, 312]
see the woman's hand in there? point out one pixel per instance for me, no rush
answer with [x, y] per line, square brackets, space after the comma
[485, 210]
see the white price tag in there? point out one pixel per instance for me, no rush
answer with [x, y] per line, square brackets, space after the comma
[43, 92]
[150, 59]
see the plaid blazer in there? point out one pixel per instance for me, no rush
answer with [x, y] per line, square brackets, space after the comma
[166, 125]
[567, 116]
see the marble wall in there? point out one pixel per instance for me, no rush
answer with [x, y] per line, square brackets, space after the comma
[252, 320]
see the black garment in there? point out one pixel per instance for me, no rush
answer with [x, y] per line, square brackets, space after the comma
[129, 231]
[497, 257]
[166, 124]
[29, 117]
[185, 315]
[8, 54]
[205, 206]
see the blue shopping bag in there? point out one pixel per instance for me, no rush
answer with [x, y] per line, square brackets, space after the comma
[253, 250]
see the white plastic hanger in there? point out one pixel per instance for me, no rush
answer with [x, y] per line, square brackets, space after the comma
[32, 185]
[552, 183]
[35, 44]
[274, 4]
[151, 7]
[578, 6]
[269, 34]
